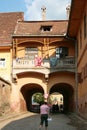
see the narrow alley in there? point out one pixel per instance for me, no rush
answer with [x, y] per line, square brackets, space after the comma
[30, 121]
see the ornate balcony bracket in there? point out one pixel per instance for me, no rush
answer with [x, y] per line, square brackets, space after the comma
[46, 77]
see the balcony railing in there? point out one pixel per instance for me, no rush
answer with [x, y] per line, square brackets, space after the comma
[51, 63]
[62, 62]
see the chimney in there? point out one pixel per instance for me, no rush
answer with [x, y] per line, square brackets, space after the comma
[68, 11]
[43, 13]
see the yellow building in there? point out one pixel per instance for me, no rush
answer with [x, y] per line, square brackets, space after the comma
[37, 58]
[41, 56]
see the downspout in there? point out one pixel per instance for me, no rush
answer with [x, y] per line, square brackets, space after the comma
[76, 72]
[12, 57]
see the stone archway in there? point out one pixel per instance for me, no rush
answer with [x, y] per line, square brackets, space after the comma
[27, 91]
[68, 93]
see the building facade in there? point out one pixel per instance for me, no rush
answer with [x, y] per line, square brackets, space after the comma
[41, 56]
[77, 30]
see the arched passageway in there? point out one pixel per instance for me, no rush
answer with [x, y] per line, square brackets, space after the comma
[27, 91]
[68, 95]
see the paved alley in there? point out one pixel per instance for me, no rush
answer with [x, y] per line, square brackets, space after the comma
[30, 121]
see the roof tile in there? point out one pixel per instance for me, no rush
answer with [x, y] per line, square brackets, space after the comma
[7, 25]
[34, 27]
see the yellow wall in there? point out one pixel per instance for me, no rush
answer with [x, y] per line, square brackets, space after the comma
[5, 70]
[21, 52]
[45, 50]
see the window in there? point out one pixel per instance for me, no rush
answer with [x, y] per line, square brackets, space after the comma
[2, 62]
[31, 52]
[61, 52]
[46, 28]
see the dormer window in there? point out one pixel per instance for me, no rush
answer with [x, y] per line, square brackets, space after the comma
[46, 28]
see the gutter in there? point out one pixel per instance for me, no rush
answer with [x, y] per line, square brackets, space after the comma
[5, 45]
[38, 35]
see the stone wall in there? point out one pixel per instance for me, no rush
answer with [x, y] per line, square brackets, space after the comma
[5, 90]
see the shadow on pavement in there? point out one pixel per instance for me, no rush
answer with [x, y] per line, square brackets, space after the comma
[27, 123]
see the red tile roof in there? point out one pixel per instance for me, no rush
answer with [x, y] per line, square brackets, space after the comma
[7, 25]
[29, 28]
[13, 24]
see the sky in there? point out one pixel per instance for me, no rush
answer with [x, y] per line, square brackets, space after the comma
[55, 9]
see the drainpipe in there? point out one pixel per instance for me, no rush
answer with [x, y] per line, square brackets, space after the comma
[76, 72]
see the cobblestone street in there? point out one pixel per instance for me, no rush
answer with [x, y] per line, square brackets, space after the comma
[30, 121]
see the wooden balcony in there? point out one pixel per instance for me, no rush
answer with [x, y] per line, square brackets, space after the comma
[52, 64]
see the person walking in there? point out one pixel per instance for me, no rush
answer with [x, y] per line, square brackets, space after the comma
[44, 113]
